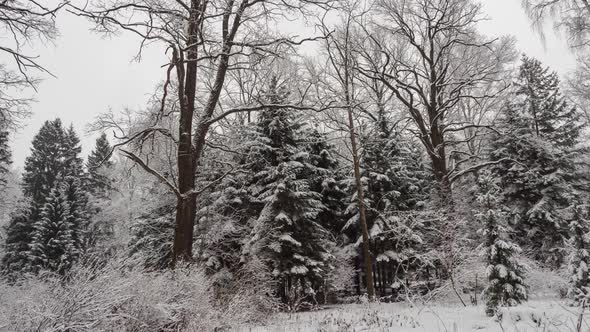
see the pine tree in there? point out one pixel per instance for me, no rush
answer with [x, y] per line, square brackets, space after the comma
[287, 233]
[53, 244]
[42, 172]
[538, 160]
[278, 205]
[72, 149]
[227, 221]
[5, 156]
[326, 179]
[100, 188]
[46, 165]
[579, 260]
[78, 217]
[395, 178]
[52, 172]
[16, 246]
[396, 184]
[287, 230]
[151, 238]
[99, 161]
[504, 274]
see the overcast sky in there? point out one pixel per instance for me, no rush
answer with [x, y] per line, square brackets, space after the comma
[95, 74]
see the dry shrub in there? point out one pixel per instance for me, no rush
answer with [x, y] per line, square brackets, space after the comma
[114, 297]
[247, 297]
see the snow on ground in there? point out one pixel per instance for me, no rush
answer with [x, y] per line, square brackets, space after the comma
[538, 315]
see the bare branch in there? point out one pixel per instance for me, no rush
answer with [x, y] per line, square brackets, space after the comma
[152, 171]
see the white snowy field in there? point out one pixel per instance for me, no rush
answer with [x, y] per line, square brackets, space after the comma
[538, 315]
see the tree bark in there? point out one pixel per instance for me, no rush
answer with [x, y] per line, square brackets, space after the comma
[439, 166]
[361, 205]
[186, 158]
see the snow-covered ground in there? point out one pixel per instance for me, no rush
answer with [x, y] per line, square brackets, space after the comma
[538, 315]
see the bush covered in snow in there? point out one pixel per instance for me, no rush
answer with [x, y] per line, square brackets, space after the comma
[114, 297]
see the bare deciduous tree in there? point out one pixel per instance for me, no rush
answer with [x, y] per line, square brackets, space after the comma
[23, 22]
[206, 39]
[432, 58]
[571, 15]
[578, 86]
[339, 51]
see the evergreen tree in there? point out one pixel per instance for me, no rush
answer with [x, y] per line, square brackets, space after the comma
[52, 174]
[5, 156]
[72, 149]
[288, 233]
[53, 243]
[43, 169]
[326, 180]
[99, 160]
[396, 184]
[579, 261]
[227, 221]
[47, 164]
[538, 160]
[504, 274]
[78, 217]
[278, 206]
[394, 177]
[152, 235]
[16, 246]
[100, 188]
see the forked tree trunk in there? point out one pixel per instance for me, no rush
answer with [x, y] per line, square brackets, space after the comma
[190, 149]
[186, 157]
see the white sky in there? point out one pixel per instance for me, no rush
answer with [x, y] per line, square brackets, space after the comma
[95, 74]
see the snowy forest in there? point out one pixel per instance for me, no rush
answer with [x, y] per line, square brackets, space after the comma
[385, 167]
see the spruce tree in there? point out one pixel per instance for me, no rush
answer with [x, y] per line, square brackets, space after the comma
[47, 164]
[42, 172]
[287, 233]
[579, 260]
[227, 221]
[537, 159]
[152, 235]
[100, 187]
[16, 246]
[99, 160]
[394, 177]
[5, 156]
[278, 206]
[53, 243]
[78, 216]
[504, 274]
[72, 149]
[396, 184]
[326, 179]
[52, 172]
[291, 240]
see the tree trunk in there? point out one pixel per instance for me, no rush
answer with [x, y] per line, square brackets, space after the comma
[361, 205]
[440, 168]
[183, 231]
[347, 84]
[186, 202]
